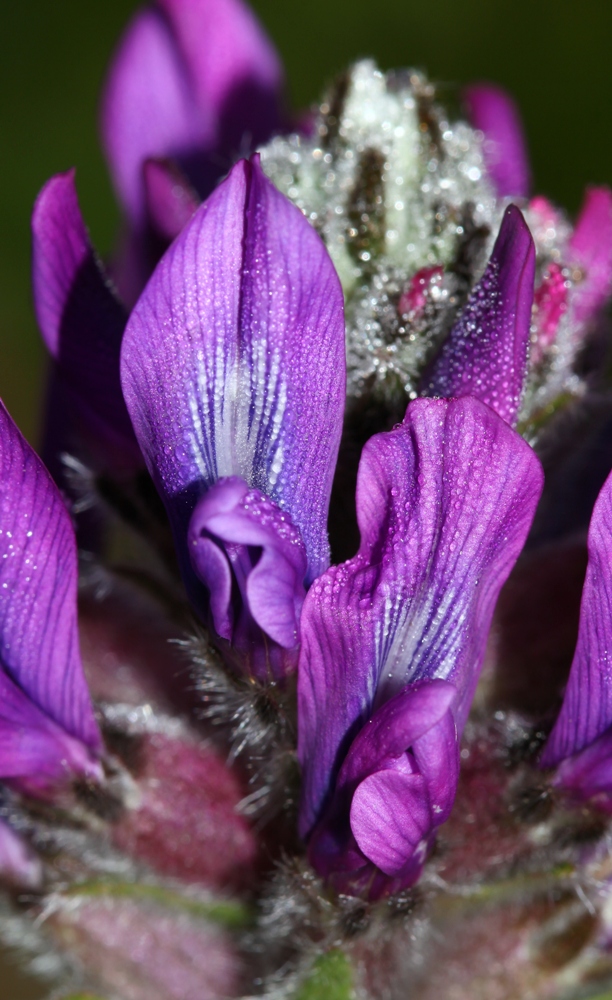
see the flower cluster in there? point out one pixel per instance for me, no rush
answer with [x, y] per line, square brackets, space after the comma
[342, 346]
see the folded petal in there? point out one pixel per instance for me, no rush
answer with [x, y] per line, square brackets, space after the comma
[492, 111]
[390, 817]
[397, 807]
[149, 107]
[444, 505]
[436, 754]
[396, 726]
[586, 712]
[591, 249]
[263, 553]
[39, 648]
[82, 324]
[485, 354]
[385, 807]
[233, 360]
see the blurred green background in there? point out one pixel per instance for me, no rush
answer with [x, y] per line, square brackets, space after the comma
[553, 56]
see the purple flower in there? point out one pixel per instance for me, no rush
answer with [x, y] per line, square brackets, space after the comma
[193, 81]
[233, 371]
[393, 640]
[48, 733]
[82, 324]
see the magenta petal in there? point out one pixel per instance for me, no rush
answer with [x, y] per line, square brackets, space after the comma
[39, 648]
[170, 199]
[258, 540]
[82, 324]
[494, 113]
[444, 505]
[586, 712]
[485, 354]
[233, 360]
[591, 249]
[149, 107]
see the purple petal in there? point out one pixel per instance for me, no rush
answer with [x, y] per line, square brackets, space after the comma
[492, 111]
[586, 712]
[194, 80]
[39, 648]
[396, 726]
[233, 360]
[390, 817]
[233, 67]
[170, 199]
[485, 354]
[436, 753]
[588, 774]
[149, 108]
[379, 777]
[444, 505]
[263, 552]
[35, 753]
[591, 249]
[18, 863]
[392, 807]
[82, 325]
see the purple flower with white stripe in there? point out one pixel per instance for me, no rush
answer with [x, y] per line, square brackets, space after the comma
[48, 733]
[393, 640]
[233, 372]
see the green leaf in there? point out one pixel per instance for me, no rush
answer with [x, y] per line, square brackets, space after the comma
[331, 977]
[228, 913]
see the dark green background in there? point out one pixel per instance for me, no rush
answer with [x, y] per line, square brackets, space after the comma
[554, 56]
